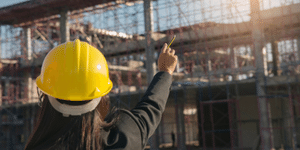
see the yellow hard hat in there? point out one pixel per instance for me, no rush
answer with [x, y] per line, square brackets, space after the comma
[74, 71]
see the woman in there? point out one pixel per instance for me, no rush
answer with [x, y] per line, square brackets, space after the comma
[74, 81]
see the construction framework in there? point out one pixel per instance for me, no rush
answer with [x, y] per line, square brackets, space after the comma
[237, 78]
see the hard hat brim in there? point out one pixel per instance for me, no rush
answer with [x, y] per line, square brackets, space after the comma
[71, 97]
[78, 110]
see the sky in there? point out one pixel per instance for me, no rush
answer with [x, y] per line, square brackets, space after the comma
[167, 14]
[4, 3]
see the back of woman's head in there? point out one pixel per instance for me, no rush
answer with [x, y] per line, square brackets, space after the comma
[54, 131]
[74, 79]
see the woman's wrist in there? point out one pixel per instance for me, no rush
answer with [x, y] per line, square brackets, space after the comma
[167, 72]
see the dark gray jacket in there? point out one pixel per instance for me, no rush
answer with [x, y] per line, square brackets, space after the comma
[136, 126]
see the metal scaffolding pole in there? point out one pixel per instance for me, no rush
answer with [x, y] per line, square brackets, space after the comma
[64, 26]
[150, 64]
[264, 114]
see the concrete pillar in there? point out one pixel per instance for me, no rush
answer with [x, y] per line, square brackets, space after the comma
[264, 112]
[265, 61]
[150, 64]
[289, 131]
[0, 43]
[161, 130]
[28, 51]
[250, 74]
[298, 46]
[233, 60]
[28, 83]
[247, 47]
[5, 90]
[286, 124]
[13, 136]
[0, 68]
[32, 117]
[232, 57]
[26, 123]
[232, 116]
[28, 57]
[209, 70]
[28, 43]
[8, 139]
[1, 126]
[275, 55]
[234, 63]
[64, 26]
[209, 67]
[6, 84]
[179, 107]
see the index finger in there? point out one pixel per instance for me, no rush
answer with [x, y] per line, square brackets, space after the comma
[164, 49]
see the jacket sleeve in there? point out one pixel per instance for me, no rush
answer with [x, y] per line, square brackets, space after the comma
[148, 112]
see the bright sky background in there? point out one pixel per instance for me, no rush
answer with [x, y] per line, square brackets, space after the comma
[130, 19]
[4, 3]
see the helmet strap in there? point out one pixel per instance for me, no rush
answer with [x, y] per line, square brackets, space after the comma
[77, 110]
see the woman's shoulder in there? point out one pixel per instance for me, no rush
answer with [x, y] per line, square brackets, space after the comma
[124, 134]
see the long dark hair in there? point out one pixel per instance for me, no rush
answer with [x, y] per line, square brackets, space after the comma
[53, 131]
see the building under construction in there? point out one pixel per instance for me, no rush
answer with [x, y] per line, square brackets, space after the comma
[236, 85]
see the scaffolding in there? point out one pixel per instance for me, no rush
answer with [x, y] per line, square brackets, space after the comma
[236, 85]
